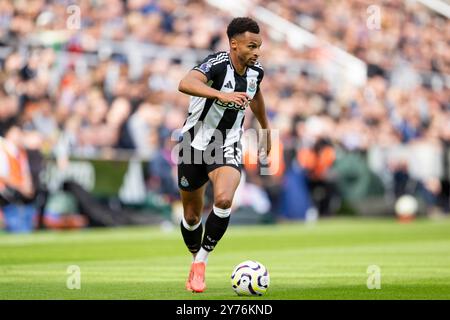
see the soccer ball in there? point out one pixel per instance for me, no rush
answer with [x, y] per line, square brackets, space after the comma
[250, 278]
[406, 208]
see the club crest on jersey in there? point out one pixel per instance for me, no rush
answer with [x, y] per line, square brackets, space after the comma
[252, 85]
[205, 67]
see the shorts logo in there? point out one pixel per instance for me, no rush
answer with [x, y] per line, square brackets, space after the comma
[184, 182]
[205, 67]
[252, 85]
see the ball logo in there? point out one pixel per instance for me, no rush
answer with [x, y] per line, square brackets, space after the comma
[264, 281]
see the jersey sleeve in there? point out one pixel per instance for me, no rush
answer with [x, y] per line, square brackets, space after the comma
[211, 66]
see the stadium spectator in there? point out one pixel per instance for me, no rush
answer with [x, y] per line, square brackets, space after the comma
[16, 186]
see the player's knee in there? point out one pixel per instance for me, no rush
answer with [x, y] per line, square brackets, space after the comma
[223, 201]
[191, 218]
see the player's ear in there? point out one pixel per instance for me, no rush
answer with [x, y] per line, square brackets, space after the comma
[233, 43]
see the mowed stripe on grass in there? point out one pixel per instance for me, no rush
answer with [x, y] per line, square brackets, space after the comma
[327, 260]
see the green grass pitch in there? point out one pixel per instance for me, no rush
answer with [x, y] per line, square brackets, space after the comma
[328, 260]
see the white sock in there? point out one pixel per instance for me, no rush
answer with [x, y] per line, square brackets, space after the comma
[189, 227]
[221, 213]
[202, 256]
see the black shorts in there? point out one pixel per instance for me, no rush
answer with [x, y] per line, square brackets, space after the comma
[193, 170]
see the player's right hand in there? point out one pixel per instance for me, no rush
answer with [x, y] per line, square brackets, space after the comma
[239, 98]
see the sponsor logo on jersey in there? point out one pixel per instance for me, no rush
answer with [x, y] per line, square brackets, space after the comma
[231, 105]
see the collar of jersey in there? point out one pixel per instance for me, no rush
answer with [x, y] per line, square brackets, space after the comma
[232, 67]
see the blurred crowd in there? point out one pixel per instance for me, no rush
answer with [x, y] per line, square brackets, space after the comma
[72, 94]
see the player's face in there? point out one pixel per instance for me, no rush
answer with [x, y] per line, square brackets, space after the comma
[247, 47]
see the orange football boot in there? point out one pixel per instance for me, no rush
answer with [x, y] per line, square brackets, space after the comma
[198, 277]
[188, 281]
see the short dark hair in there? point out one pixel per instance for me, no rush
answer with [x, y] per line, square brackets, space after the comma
[242, 25]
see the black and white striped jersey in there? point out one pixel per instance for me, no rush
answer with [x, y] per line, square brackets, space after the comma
[211, 118]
